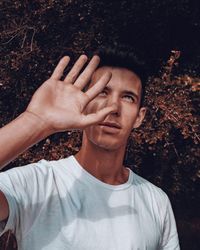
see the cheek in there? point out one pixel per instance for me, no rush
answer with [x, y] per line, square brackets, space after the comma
[129, 117]
[90, 132]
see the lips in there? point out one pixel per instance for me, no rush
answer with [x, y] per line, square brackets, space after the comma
[111, 124]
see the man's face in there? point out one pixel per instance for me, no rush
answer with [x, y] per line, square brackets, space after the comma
[124, 91]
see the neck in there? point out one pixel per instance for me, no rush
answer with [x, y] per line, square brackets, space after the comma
[106, 165]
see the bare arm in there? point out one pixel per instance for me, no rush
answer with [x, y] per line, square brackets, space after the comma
[20, 134]
[56, 106]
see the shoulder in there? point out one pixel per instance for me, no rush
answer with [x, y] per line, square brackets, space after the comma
[151, 197]
[42, 169]
[149, 190]
[38, 178]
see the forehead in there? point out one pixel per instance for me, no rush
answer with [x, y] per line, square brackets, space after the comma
[122, 78]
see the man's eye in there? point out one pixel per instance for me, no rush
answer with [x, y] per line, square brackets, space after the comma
[129, 98]
[103, 93]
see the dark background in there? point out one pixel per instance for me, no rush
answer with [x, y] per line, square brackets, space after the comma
[35, 34]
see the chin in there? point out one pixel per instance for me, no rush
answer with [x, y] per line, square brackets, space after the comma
[109, 143]
[104, 140]
[107, 146]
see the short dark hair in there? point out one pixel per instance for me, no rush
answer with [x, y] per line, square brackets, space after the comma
[123, 57]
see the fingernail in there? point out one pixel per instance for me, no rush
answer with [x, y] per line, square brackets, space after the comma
[84, 57]
[66, 57]
[96, 57]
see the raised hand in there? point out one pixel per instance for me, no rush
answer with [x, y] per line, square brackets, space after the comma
[61, 103]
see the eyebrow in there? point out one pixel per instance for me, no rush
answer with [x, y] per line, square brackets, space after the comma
[128, 92]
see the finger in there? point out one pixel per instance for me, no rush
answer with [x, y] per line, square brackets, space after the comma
[58, 71]
[74, 72]
[95, 118]
[84, 77]
[99, 86]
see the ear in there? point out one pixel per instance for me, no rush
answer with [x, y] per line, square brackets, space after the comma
[140, 117]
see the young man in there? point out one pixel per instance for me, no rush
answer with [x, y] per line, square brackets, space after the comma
[89, 201]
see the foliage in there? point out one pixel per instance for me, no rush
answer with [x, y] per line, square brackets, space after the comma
[170, 133]
[165, 150]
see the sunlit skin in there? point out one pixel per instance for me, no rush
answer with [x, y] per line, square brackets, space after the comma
[61, 104]
[103, 148]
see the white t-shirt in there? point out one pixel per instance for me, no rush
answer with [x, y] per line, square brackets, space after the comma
[58, 205]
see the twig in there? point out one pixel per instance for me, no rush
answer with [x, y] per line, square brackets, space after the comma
[10, 39]
[34, 31]
[175, 150]
[15, 30]
[197, 136]
[22, 46]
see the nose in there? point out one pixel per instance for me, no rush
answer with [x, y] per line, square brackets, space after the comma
[115, 103]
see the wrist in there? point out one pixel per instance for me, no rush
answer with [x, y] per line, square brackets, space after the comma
[37, 123]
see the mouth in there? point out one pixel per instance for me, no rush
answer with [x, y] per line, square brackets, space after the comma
[111, 125]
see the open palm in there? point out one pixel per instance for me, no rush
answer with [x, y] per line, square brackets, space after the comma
[61, 103]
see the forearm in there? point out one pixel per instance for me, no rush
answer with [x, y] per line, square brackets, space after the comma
[57, 104]
[20, 134]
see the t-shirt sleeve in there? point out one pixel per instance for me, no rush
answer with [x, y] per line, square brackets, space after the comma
[24, 189]
[170, 239]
